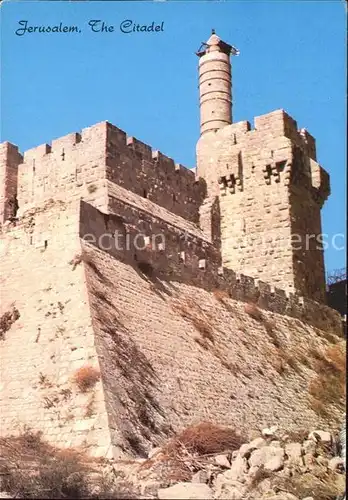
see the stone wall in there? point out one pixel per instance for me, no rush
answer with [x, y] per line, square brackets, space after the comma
[126, 311]
[181, 256]
[267, 180]
[254, 190]
[173, 354]
[79, 164]
[10, 158]
[122, 311]
[53, 337]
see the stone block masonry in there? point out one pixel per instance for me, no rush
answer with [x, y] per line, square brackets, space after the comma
[52, 338]
[10, 158]
[269, 185]
[77, 303]
[79, 164]
[254, 190]
[187, 258]
[270, 190]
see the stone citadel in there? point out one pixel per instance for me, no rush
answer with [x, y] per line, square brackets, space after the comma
[73, 303]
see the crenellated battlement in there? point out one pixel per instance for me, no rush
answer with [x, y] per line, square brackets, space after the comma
[168, 251]
[184, 257]
[240, 155]
[111, 140]
[272, 125]
[270, 188]
[81, 162]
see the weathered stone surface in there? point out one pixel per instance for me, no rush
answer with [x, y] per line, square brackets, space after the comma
[81, 327]
[202, 476]
[237, 471]
[309, 461]
[282, 496]
[322, 460]
[186, 491]
[222, 461]
[229, 490]
[121, 311]
[336, 463]
[271, 431]
[320, 436]
[247, 448]
[294, 453]
[257, 203]
[272, 458]
[309, 446]
[154, 451]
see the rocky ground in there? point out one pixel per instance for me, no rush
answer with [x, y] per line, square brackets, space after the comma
[275, 466]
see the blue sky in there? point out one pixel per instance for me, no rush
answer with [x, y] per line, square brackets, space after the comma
[292, 56]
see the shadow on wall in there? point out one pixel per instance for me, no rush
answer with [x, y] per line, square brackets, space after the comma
[135, 416]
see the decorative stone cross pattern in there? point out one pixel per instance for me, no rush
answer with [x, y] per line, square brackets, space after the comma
[273, 170]
[231, 183]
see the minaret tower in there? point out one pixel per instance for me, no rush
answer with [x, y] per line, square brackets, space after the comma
[215, 84]
[215, 100]
[264, 186]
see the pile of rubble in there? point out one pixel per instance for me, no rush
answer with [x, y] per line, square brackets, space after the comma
[204, 462]
[274, 466]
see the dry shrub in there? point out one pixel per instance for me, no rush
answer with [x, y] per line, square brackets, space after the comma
[328, 387]
[253, 311]
[34, 469]
[80, 257]
[86, 377]
[325, 484]
[186, 452]
[336, 355]
[221, 295]
[205, 438]
[7, 320]
[199, 319]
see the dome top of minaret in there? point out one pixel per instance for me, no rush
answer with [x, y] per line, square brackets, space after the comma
[214, 39]
[214, 43]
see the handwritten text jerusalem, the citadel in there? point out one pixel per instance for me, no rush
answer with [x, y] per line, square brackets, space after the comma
[94, 25]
